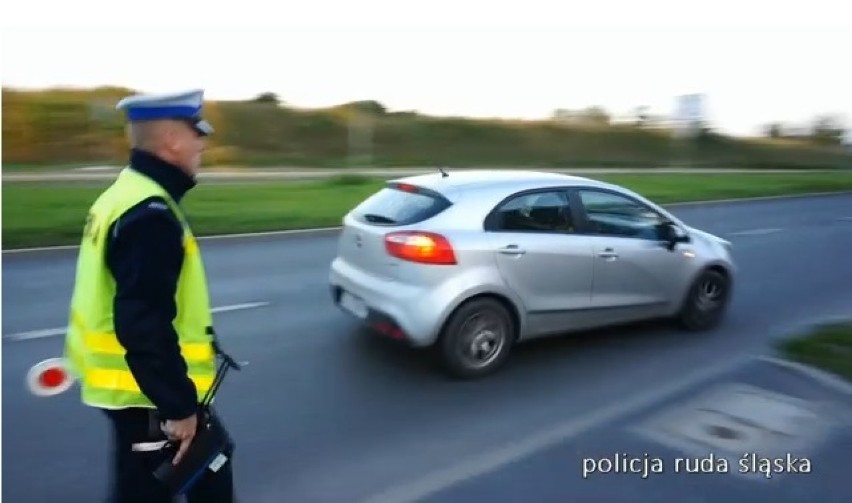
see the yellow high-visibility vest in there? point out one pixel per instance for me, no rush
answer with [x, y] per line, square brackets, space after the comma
[92, 351]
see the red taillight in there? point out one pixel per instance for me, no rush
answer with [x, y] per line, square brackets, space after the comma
[407, 187]
[422, 247]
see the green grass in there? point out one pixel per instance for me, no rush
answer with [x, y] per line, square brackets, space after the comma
[42, 214]
[827, 346]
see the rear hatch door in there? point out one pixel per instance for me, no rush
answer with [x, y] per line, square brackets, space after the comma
[396, 206]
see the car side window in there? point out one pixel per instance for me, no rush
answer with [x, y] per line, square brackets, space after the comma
[616, 215]
[534, 212]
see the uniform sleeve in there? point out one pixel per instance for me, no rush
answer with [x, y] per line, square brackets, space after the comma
[145, 256]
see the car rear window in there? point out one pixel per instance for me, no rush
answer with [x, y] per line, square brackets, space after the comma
[400, 205]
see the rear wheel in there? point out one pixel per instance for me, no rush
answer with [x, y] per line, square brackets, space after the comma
[477, 339]
[706, 302]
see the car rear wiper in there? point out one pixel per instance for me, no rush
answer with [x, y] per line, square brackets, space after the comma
[379, 219]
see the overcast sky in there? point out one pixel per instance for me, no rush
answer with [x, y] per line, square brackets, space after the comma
[755, 63]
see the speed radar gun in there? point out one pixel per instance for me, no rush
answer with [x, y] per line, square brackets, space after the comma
[211, 447]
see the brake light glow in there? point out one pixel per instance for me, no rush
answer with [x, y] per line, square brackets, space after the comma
[421, 247]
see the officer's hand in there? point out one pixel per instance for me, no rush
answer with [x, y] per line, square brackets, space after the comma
[183, 430]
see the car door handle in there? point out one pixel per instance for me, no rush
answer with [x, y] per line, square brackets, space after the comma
[512, 250]
[609, 254]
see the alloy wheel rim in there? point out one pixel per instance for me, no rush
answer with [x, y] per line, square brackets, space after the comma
[710, 294]
[483, 337]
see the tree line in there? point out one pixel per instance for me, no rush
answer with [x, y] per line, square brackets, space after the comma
[67, 126]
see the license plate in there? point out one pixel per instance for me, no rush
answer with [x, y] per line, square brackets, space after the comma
[353, 304]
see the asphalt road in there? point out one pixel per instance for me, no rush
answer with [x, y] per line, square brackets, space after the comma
[757, 431]
[326, 413]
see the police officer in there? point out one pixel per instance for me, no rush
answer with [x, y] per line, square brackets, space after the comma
[140, 332]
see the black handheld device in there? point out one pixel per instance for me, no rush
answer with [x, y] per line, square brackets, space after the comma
[211, 447]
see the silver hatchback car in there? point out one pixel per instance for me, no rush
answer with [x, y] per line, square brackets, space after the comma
[472, 262]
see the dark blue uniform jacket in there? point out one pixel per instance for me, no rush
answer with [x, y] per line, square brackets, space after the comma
[144, 253]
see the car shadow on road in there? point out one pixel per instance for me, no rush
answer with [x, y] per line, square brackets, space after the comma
[391, 355]
[602, 339]
[385, 355]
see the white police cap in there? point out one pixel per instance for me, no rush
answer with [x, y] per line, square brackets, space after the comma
[185, 105]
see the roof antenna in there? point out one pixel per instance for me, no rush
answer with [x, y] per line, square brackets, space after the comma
[443, 173]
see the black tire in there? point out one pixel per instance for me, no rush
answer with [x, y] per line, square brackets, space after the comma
[496, 338]
[706, 303]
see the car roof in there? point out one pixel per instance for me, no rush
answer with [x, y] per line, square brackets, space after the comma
[494, 179]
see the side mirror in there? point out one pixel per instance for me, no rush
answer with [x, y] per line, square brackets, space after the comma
[671, 234]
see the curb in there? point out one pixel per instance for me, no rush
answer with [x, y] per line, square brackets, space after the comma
[823, 377]
[317, 230]
[101, 173]
[829, 379]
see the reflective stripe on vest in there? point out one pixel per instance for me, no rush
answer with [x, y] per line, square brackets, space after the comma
[92, 349]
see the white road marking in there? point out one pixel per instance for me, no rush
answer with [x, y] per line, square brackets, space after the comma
[315, 230]
[36, 334]
[239, 307]
[756, 232]
[53, 332]
[514, 451]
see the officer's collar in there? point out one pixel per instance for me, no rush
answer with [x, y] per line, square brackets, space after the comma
[174, 180]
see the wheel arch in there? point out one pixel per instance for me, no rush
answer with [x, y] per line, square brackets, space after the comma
[511, 307]
[721, 268]
[725, 270]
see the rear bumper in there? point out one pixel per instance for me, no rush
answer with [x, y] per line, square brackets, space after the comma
[397, 310]
[379, 321]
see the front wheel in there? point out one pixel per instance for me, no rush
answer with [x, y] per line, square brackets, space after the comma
[706, 302]
[477, 339]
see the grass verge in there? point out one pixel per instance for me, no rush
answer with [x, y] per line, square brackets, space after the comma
[42, 214]
[827, 346]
